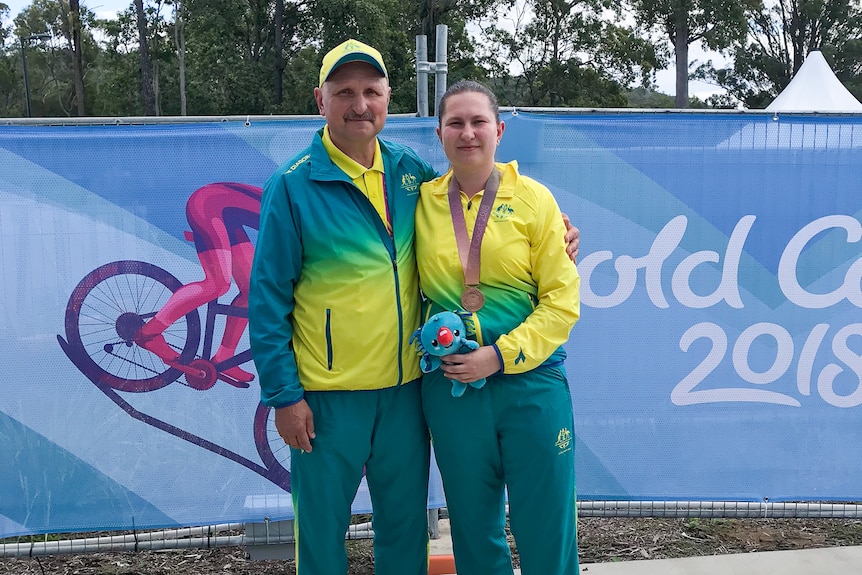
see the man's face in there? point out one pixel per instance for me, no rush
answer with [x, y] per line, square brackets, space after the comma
[354, 100]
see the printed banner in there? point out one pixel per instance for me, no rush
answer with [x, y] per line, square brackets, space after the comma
[718, 357]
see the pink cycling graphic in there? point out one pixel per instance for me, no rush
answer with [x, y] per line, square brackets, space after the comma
[216, 214]
[131, 326]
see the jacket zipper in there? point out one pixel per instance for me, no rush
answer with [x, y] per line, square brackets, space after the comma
[329, 339]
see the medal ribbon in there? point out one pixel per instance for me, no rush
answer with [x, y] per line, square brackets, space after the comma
[470, 250]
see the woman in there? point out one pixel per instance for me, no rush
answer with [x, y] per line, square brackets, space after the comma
[516, 432]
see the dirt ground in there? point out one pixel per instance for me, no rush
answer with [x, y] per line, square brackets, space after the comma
[600, 540]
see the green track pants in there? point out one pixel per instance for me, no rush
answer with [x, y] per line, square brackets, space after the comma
[515, 433]
[382, 431]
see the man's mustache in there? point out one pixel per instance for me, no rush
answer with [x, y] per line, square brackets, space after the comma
[365, 116]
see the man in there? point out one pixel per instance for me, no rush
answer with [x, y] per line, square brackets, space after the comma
[332, 305]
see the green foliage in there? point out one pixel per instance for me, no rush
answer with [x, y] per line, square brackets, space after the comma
[5, 31]
[11, 85]
[299, 78]
[49, 61]
[223, 58]
[238, 60]
[716, 23]
[847, 64]
[781, 36]
[564, 53]
[571, 84]
[645, 98]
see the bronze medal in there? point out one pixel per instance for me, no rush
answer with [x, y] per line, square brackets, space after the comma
[472, 299]
[470, 249]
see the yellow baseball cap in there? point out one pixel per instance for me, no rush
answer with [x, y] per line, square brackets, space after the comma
[350, 51]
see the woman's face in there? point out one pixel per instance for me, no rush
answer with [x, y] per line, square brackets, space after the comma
[469, 131]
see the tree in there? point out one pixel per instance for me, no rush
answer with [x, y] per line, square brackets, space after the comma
[780, 36]
[564, 53]
[4, 30]
[147, 94]
[58, 76]
[288, 21]
[75, 33]
[118, 67]
[228, 47]
[10, 83]
[716, 23]
[278, 25]
[180, 40]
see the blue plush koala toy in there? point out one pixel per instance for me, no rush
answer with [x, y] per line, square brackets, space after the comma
[444, 334]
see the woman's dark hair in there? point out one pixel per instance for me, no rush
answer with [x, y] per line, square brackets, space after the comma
[463, 86]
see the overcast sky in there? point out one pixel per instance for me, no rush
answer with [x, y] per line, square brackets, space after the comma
[102, 8]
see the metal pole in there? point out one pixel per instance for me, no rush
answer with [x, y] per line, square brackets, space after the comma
[441, 66]
[422, 69]
[26, 81]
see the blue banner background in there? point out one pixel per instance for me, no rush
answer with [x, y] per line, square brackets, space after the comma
[719, 354]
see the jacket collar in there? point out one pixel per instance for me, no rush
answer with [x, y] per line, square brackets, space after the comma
[324, 169]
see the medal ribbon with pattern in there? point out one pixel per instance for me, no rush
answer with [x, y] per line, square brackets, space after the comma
[470, 250]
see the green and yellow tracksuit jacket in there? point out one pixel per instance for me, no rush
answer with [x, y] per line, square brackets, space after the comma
[531, 287]
[334, 298]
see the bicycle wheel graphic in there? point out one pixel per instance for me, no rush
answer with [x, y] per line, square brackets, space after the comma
[105, 311]
[274, 453]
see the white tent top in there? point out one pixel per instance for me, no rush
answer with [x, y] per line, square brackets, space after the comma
[815, 88]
